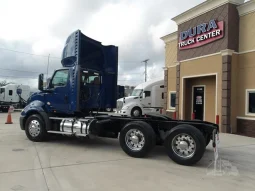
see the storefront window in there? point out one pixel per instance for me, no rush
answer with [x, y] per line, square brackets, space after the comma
[172, 98]
[251, 101]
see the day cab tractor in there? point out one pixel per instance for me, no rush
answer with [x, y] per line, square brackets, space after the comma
[88, 81]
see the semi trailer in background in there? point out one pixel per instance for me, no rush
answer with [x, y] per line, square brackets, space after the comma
[146, 98]
[15, 95]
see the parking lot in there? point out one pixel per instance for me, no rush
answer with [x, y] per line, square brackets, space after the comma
[66, 164]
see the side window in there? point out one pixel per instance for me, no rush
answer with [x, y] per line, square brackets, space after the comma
[10, 92]
[91, 78]
[60, 78]
[172, 98]
[251, 102]
[147, 93]
[2, 90]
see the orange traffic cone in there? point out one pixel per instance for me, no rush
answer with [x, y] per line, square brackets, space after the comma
[9, 118]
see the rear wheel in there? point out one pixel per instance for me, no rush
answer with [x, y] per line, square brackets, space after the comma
[185, 145]
[137, 139]
[35, 128]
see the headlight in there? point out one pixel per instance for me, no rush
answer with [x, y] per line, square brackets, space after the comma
[125, 107]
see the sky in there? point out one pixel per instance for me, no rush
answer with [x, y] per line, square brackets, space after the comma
[40, 28]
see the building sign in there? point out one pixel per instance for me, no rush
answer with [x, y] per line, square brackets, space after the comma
[199, 100]
[201, 35]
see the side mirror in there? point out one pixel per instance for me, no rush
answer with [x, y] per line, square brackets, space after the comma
[40, 82]
[143, 95]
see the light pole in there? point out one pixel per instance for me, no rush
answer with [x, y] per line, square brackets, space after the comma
[145, 64]
[48, 66]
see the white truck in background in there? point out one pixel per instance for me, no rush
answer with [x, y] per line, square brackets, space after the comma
[15, 95]
[146, 98]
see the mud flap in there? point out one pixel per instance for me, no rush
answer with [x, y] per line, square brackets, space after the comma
[215, 144]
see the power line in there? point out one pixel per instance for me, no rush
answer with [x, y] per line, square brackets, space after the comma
[37, 72]
[46, 56]
[27, 53]
[21, 52]
[18, 76]
[19, 70]
[33, 77]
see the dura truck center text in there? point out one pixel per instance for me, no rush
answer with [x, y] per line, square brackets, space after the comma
[200, 38]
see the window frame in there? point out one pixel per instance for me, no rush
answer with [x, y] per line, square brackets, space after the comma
[10, 92]
[147, 92]
[169, 100]
[51, 85]
[248, 91]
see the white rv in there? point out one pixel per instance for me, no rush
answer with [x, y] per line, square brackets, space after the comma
[145, 98]
[13, 94]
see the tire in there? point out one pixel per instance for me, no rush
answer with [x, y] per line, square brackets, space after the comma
[148, 135]
[136, 112]
[196, 144]
[39, 134]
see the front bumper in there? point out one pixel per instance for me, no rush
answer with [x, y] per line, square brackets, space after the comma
[21, 122]
[123, 112]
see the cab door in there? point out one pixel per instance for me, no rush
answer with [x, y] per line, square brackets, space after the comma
[59, 97]
[146, 101]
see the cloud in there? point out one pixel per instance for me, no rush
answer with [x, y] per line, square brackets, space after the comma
[41, 27]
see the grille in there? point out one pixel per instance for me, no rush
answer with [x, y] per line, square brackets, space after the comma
[119, 105]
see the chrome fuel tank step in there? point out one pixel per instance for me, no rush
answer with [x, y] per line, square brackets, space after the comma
[77, 127]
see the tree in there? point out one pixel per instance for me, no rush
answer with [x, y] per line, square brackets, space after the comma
[4, 83]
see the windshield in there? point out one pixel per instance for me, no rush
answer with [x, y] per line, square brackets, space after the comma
[60, 78]
[137, 92]
[2, 90]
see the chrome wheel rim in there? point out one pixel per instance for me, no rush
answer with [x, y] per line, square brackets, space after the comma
[184, 146]
[34, 128]
[135, 140]
[136, 113]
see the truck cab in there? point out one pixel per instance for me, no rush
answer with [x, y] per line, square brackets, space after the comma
[145, 98]
[86, 81]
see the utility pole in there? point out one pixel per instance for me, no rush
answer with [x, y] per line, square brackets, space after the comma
[145, 64]
[48, 66]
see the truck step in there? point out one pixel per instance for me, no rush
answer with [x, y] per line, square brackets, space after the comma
[68, 133]
[60, 132]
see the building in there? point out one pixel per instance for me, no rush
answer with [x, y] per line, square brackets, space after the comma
[210, 65]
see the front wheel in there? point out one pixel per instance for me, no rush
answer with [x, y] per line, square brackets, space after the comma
[136, 112]
[35, 128]
[137, 139]
[185, 145]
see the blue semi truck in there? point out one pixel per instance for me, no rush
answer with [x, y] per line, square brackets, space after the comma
[88, 81]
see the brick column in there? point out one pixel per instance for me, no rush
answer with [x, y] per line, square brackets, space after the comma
[226, 91]
[165, 88]
[177, 106]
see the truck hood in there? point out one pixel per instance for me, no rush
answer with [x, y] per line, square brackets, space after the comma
[34, 96]
[128, 98]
